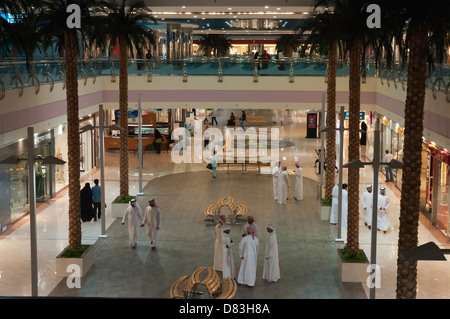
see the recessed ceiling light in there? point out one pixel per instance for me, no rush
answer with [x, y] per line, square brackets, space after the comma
[230, 8]
[183, 7]
[267, 7]
[278, 8]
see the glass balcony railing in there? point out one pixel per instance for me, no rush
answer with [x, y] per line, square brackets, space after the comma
[15, 74]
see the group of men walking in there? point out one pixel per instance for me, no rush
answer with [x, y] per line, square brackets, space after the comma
[151, 219]
[248, 252]
[367, 204]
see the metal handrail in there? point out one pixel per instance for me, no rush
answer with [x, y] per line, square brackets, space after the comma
[50, 76]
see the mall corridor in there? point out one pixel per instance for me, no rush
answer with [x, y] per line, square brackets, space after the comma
[307, 247]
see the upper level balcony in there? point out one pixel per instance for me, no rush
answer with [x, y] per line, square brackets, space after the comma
[15, 74]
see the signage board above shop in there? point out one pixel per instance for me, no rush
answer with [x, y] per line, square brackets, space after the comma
[362, 116]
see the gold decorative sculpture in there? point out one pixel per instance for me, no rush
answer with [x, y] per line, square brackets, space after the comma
[237, 211]
[187, 286]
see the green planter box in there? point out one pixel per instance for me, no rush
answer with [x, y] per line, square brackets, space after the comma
[324, 210]
[84, 262]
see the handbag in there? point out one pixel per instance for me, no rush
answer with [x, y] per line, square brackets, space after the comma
[209, 166]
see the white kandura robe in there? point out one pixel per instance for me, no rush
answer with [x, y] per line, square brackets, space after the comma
[218, 248]
[334, 204]
[248, 248]
[228, 261]
[152, 221]
[344, 208]
[299, 184]
[134, 217]
[271, 270]
[276, 170]
[382, 219]
[367, 203]
[283, 183]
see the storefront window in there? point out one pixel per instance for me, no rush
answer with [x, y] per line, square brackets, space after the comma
[18, 190]
[442, 199]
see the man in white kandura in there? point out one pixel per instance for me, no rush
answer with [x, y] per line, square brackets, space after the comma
[367, 203]
[250, 223]
[218, 250]
[228, 261]
[271, 271]
[152, 222]
[383, 204]
[298, 182]
[248, 251]
[283, 184]
[334, 204]
[276, 170]
[344, 205]
[134, 215]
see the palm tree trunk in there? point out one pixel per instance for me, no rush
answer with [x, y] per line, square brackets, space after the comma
[123, 114]
[331, 121]
[73, 139]
[353, 149]
[412, 161]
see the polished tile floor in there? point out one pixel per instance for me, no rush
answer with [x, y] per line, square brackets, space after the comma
[307, 244]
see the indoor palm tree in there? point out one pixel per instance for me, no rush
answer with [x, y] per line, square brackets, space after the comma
[55, 26]
[288, 44]
[219, 44]
[323, 35]
[425, 28]
[124, 25]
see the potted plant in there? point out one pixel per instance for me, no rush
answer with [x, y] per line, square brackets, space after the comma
[119, 205]
[75, 262]
[352, 267]
[325, 208]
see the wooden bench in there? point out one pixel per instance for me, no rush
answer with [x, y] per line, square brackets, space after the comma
[253, 119]
[211, 281]
[229, 288]
[178, 288]
[186, 286]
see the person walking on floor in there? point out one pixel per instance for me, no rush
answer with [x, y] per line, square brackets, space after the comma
[367, 202]
[383, 204]
[97, 200]
[298, 182]
[213, 117]
[86, 204]
[389, 174]
[248, 251]
[214, 160]
[158, 141]
[134, 216]
[271, 270]
[152, 222]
